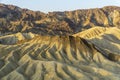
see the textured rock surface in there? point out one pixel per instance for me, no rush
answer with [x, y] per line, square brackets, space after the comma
[15, 19]
[106, 39]
[39, 46]
[61, 57]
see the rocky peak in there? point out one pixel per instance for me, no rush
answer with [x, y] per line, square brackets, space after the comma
[15, 19]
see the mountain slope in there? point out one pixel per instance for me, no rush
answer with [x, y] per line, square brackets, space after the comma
[56, 58]
[15, 19]
[70, 45]
[106, 39]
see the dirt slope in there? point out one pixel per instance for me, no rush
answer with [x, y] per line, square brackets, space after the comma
[56, 58]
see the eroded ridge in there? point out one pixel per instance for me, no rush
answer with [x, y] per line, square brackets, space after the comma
[56, 58]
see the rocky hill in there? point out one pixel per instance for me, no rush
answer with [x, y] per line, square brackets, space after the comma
[14, 19]
[36, 57]
[70, 45]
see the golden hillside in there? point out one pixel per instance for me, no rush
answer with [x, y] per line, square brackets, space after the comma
[69, 45]
[107, 39]
[60, 57]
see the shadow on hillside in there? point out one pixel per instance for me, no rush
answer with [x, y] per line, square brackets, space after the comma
[107, 42]
[111, 38]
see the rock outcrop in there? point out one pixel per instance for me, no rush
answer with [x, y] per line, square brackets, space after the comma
[15, 19]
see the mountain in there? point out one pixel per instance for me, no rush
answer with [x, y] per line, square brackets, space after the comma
[36, 57]
[15, 19]
[106, 39]
[70, 45]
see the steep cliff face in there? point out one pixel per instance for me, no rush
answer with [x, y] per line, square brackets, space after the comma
[15, 19]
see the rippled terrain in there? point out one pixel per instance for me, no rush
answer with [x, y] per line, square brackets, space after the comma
[90, 51]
